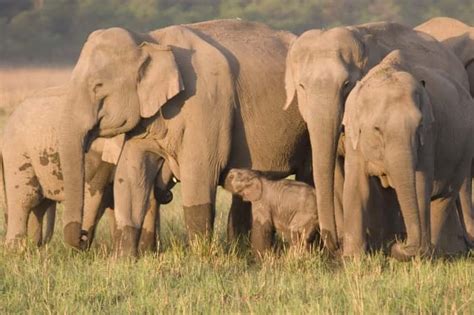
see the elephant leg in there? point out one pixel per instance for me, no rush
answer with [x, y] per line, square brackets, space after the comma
[95, 207]
[50, 222]
[304, 237]
[447, 234]
[338, 197]
[22, 195]
[133, 183]
[465, 198]
[198, 186]
[97, 193]
[111, 220]
[92, 209]
[355, 201]
[240, 219]
[262, 233]
[35, 221]
[148, 235]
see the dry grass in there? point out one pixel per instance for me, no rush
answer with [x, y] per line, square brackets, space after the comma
[213, 278]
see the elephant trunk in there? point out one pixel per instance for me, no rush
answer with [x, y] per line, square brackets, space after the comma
[74, 128]
[401, 168]
[324, 133]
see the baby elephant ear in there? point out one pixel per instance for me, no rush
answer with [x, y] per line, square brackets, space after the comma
[253, 190]
[289, 86]
[159, 78]
[350, 119]
[113, 149]
[427, 112]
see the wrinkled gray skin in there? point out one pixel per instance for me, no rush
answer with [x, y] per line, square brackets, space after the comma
[459, 37]
[285, 206]
[322, 68]
[412, 127]
[212, 93]
[33, 181]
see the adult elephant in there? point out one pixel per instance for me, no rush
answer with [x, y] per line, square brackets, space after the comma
[323, 67]
[457, 36]
[212, 94]
[460, 38]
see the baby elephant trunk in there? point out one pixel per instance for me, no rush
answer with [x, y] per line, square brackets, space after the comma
[402, 173]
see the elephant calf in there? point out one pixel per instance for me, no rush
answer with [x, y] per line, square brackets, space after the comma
[410, 126]
[287, 206]
[32, 176]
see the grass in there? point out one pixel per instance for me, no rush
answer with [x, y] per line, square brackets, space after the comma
[216, 277]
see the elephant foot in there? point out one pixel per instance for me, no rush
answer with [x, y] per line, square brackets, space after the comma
[403, 252]
[199, 221]
[148, 243]
[16, 243]
[329, 244]
[126, 242]
[73, 236]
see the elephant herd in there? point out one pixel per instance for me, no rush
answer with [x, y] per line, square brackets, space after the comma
[379, 117]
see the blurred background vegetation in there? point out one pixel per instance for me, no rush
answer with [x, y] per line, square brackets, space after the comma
[53, 31]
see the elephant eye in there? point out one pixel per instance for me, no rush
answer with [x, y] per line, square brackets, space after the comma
[346, 87]
[301, 86]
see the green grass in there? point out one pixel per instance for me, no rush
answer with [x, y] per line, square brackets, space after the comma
[213, 278]
[217, 278]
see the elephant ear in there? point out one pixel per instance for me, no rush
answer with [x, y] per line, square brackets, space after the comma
[113, 149]
[289, 84]
[160, 79]
[350, 121]
[253, 190]
[426, 111]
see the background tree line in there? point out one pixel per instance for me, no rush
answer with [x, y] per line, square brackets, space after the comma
[45, 31]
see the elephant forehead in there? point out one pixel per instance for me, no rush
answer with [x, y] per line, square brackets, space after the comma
[115, 36]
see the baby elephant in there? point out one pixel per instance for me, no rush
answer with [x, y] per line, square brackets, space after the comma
[287, 206]
[30, 172]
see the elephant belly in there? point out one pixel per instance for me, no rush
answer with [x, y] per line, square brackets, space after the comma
[276, 158]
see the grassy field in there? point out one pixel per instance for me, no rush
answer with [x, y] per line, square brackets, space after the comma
[213, 278]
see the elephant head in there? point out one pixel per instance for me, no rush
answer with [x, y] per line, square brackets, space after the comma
[246, 183]
[322, 68]
[388, 119]
[456, 35]
[120, 77]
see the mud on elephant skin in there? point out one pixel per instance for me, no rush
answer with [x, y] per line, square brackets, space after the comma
[171, 80]
[285, 206]
[411, 127]
[323, 67]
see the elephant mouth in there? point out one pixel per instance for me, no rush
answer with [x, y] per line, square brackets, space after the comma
[385, 181]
